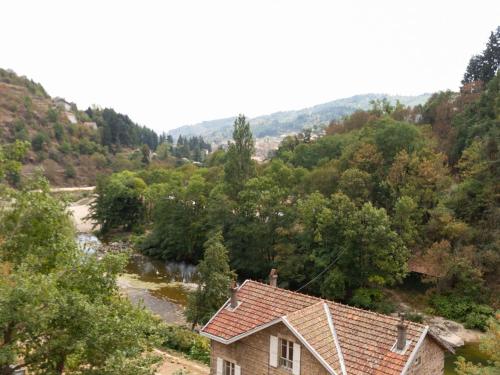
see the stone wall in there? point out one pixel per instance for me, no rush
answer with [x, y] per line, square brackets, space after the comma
[252, 354]
[429, 359]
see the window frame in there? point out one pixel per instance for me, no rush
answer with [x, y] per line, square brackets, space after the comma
[286, 346]
[228, 367]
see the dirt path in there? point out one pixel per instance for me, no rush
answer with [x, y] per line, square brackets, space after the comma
[174, 362]
[72, 189]
[80, 211]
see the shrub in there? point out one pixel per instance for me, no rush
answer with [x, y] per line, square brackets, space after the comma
[59, 131]
[415, 317]
[39, 140]
[65, 148]
[69, 171]
[188, 342]
[464, 310]
[52, 115]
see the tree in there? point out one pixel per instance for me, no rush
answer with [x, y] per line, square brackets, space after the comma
[145, 152]
[490, 345]
[60, 310]
[11, 157]
[356, 184]
[239, 166]
[119, 202]
[484, 67]
[215, 278]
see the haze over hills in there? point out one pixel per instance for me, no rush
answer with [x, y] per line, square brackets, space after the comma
[279, 123]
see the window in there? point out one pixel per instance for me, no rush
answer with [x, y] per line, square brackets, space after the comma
[286, 354]
[228, 368]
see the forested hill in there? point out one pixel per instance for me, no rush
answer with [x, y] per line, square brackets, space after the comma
[68, 145]
[280, 123]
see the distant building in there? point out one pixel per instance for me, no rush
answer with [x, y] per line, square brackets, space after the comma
[71, 117]
[63, 104]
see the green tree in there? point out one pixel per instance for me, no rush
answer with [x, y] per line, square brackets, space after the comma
[119, 202]
[60, 310]
[239, 166]
[484, 67]
[215, 278]
[11, 157]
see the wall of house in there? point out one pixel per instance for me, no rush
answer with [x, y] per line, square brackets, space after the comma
[429, 359]
[252, 354]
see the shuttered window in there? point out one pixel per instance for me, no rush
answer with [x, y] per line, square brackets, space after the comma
[227, 367]
[286, 354]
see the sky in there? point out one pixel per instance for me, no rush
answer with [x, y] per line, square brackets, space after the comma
[176, 62]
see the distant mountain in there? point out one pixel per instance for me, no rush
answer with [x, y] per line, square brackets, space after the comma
[285, 122]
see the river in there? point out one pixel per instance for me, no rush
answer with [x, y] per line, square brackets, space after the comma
[161, 287]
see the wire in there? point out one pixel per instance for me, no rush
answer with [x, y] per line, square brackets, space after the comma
[322, 272]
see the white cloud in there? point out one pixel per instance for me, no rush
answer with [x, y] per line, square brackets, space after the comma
[170, 63]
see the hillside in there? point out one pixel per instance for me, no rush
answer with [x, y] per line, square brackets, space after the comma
[68, 146]
[279, 123]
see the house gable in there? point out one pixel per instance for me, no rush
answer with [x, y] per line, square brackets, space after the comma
[341, 339]
[252, 353]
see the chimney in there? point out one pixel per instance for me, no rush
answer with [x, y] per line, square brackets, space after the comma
[234, 299]
[401, 341]
[273, 278]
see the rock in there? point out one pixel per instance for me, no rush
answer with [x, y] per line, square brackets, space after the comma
[453, 340]
[452, 332]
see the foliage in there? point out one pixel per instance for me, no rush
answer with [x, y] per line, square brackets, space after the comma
[484, 67]
[60, 311]
[119, 130]
[490, 345]
[186, 341]
[239, 166]
[214, 279]
[462, 309]
[10, 77]
[120, 202]
[11, 157]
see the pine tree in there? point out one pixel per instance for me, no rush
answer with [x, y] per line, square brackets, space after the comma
[215, 278]
[485, 66]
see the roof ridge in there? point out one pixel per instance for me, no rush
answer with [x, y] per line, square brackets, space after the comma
[336, 340]
[333, 302]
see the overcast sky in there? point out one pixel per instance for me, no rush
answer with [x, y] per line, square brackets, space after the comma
[171, 63]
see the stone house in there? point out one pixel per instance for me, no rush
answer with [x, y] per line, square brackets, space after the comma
[266, 330]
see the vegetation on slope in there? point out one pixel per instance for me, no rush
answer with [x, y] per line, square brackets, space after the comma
[347, 215]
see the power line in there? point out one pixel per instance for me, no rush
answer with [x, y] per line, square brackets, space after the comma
[322, 272]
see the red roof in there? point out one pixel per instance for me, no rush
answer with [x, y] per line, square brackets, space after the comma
[362, 341]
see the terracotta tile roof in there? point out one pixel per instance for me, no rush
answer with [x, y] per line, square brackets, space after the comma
[313, 324]
[365, 338]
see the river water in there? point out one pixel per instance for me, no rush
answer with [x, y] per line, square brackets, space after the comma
[160, 286]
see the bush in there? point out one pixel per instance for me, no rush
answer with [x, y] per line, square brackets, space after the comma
[464, 310]
[415, 317]
[188, 342]
[69, 171]
[59, 131]
[39, 140]
[65, 148]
